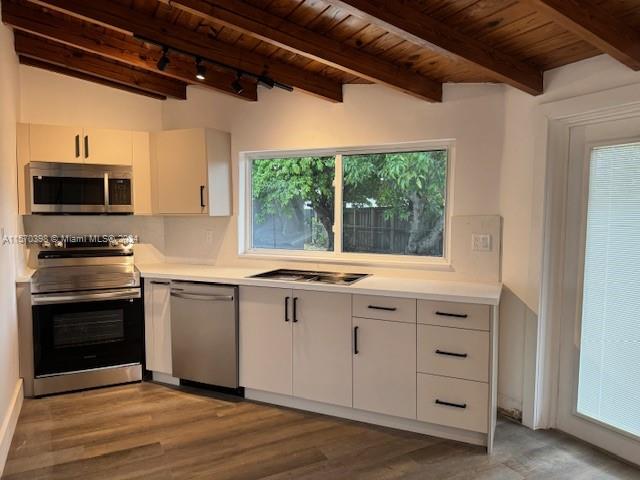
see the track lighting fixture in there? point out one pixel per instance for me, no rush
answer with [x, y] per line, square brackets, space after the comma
[236, 86]
[201, 70]
[163, 61]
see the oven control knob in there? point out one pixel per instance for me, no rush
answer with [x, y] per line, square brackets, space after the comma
[126, 241]
[113, 242]
[58, 244]
[46, 244]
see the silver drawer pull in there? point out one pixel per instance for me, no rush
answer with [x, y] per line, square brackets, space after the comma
[452, 354]
[206, 298]
[454, 315]
[450, 404]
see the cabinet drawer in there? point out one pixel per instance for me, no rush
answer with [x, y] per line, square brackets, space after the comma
[459, 315]
[452, 402]
[453, 352]
[384, 308]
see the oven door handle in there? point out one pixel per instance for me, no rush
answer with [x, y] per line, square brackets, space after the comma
[51, 299]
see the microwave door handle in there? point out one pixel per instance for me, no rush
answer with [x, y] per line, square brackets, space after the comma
[107, 206]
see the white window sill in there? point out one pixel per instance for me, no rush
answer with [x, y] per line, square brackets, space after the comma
[414, 263]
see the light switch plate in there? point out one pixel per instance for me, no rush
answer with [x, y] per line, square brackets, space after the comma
[481, 242]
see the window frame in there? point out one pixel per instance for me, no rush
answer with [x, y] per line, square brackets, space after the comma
[245, 217]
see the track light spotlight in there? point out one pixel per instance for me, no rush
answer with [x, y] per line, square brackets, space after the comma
[236, 86]
[163, 61]
[201, 70]
[266, 81]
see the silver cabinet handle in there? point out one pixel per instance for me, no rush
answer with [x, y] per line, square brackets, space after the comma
[203, 297]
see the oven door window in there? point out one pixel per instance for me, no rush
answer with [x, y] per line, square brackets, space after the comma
[80, 329]
[82, 336]
[68, 191]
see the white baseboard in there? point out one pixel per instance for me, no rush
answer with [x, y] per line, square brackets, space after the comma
[9, 423]
[165, 378]
[416, 426]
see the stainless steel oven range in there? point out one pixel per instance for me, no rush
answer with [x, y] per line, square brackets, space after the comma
[87, 316]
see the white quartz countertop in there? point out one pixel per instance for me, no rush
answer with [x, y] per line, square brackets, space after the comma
[450, 291]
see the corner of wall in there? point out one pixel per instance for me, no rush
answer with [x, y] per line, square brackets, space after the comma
[10, 383]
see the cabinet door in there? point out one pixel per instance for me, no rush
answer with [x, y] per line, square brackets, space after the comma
[322, 347]
[384, 367]
[141, 174]
[157, 322]
[50, 143]
[265, 339]
[179, 157]
[107, 147]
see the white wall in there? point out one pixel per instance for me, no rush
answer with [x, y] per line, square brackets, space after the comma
[473, 115]
[522, 190]
[9, 102]
[52, 98]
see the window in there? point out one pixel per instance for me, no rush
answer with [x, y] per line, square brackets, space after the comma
[393, 203]
[350, 204]
[293, 203]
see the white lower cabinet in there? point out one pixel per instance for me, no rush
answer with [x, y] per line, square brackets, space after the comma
[406, 359]
[453, 352]
[453, 402]
[322, 347]
[384, 367]
[266, 340]
[296, 343]
[157, 322]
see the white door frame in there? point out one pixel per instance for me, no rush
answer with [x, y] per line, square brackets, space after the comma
[561, 117]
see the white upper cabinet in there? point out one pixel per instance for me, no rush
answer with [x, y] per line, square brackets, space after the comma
[322, 347]
[50, 143]
[191, 171]
[107, 147]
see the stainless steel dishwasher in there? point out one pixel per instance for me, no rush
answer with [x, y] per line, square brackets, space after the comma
[204, 333]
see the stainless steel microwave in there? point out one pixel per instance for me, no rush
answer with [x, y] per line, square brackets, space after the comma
[79, 188]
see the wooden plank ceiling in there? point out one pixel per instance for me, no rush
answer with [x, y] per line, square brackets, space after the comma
[317, 46]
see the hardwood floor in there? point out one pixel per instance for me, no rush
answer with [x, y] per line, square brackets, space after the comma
[152, 431]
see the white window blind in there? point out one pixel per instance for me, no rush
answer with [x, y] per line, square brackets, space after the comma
[609, 379]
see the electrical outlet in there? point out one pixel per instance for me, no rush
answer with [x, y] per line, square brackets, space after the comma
[209, 236]
[481, 242]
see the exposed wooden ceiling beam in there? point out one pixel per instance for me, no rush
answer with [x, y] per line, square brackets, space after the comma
[34, 62]
[284, 33]
[32, 18]
[165, 33]
[416, 27]
[29, 45]
[595, 25]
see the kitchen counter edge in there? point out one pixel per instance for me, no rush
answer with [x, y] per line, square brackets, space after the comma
[437, 290]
